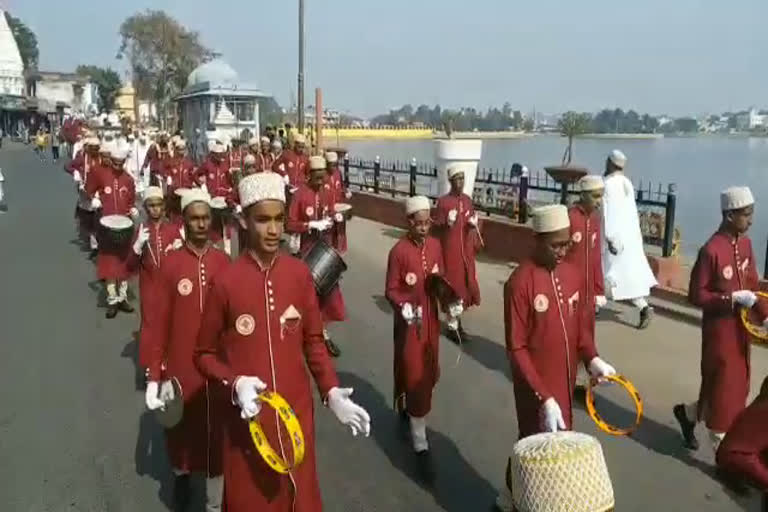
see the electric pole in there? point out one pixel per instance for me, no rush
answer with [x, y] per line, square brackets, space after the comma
[300, 107]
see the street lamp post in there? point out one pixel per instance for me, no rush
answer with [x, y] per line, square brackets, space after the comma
[300, 107]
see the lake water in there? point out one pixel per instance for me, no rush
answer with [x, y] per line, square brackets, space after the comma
[700, 166]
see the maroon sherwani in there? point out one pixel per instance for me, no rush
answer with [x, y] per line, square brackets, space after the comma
[117, 193]
[265, 322]
[336, 184]
[460, 244]
[547, 334]
[585, 254]
[216, 176]
[162, 235]
[306, 205]
[296, 167]
[181, 170]
[84, 164]
[417, 356]
[156, 156]
[744, 451]
[264, 161]
[194, 445]
[725, 264]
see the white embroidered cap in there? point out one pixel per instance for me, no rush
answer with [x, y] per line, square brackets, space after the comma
[106, 148]
[264, 138]
[453, 171]
[416, 204]
[195, 195]
[263, 186]
[277, 143]
[253, 141]
[299, 139]
[120, 152]
[331, 157]
[591, 182]
[218, 147]
[249, 159]
[92, 141]
[618, 158]
[552, 217]
[153, 193]
[316, 162]
[180, 143]
[735, 198]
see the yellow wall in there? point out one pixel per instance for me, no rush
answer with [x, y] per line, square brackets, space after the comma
[124, 101]
[377, 133]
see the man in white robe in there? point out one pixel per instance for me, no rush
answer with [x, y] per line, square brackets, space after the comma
[625, 267]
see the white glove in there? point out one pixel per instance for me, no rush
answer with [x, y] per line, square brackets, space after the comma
[169, 181]
[599, 368]
[95, 203]
[287, 180]
[348, 412]
[338, 217]
[247, 390]
[281, 167]
[473, 220]
[348, 195]
[601, 301]
[744, 298]
[320, 225]
[167, 394]
[134, 213]
[77, 177]
[407, 313]
[456, 309]
[175, 245]
[452, 215]
[551, 416]
[151, 399]
[141, 239]
[238, 209]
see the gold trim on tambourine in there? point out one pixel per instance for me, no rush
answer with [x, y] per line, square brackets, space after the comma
[291, 424]
[631, 390]
[759, 334]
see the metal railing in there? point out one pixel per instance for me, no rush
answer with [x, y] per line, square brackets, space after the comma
[502, 192]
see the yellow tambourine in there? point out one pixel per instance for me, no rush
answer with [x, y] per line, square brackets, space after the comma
[605, 427]
[759, 335]
[292, 426]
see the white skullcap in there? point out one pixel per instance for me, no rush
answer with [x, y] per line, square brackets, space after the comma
[735, 198]
[263, 186]
[264, 139]
[552, 217]
[92, 141]
[120, 152]
[180, 143]
[253, 141]
[106, 148]
[195, 195]
[416, 204]
[300, 139]
[331, 157]
[277, 143]
[153, 193]
[218, 147]
[618, 158]
[453, 171]
[591, 182]
[316, 162]
[131, 136]
[249, 159]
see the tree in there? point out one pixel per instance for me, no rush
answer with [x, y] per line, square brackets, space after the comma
[108, 81]
[26, 40]
[570, 125]
[517, 120]
[686, 125]
[161, 52]
[270, 112]
[528, 124]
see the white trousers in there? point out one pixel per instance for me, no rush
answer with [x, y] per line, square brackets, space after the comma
[117, 292]
[419, 433]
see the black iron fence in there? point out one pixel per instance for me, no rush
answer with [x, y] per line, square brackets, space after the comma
[512, 194]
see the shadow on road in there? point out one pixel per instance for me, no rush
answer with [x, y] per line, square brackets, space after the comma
[382, 303]
[615, 315]
[458, 486]
[150, 457]
[485, 351]
[131, 351]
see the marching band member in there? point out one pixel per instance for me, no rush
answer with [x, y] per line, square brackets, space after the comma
[261, 324]
[85, 162]
[336, 184]
[296, 161]
[547, 328]
[416, 324]
[724, 280]
[157, 153]
[457, 224]
[214, 172]
[311, 216]
[113, 191]
[153, 241]
[186, 278]
[275, 153]
[264, 157]
[178, 170]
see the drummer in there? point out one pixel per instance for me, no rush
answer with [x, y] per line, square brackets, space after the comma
[85, 162]
[336, 184]
[213, 175]
[311, 217]
[113, 192]
[178, 171]
[249, 347]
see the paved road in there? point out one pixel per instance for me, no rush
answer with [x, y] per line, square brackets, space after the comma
[74, 436]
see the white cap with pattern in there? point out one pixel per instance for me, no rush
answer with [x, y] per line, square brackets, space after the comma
[550, 218]
[331, 157]
[591, 182]
[316, 162]
[736, 198]
[263, 186]
[416, 204]
[618, 158]
[153, 193]
[195, 195]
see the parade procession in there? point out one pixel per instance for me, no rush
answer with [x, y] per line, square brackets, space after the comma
[214, 303]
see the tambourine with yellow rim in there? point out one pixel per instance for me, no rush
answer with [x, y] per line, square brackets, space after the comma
[631, 390]
[292, 426]
[758, 332]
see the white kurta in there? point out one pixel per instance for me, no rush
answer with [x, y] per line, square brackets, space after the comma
[627, 274]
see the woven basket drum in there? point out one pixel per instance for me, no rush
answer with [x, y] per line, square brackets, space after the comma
[560, 472]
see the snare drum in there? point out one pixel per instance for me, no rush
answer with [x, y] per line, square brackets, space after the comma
[116, 230]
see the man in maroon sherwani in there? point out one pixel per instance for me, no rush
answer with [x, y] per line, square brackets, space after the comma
[113, 191]
[585, 252]
[179, 172]
[157, 153]
[744, 450]
[151, 245]
[262, 330]
[214, 172]
[187, 275]
[723, 281]
[457, 225]
[336, 184]
[416, 324]
[296, 162]
[84, 163]
[311, 217]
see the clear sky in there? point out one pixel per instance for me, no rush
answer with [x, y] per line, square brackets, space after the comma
[658, 56]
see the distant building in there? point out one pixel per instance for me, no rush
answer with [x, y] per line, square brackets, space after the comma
[751, 120]
[12, 106]
[51, 92]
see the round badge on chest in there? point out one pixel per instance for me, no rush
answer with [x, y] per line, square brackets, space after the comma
[576, 237]
[245, 324]
[310, 211]
[541, 303]
[184, 287]
[728, 272]
[107, 190]
[410, 279]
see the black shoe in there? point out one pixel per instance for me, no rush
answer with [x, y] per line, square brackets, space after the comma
[332, 348]
[125, 307]
[732, 482]
[645, 317]
[182, 490]
[111, 312]
[426, 467]
[686, 427]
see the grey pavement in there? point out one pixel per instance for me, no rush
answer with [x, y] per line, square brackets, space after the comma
[74, 435]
